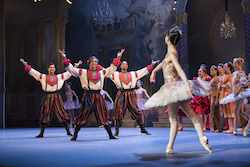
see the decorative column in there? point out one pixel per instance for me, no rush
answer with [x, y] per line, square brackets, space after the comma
[246, 11]
[182, 46]
[211, 51]
[2, 65]
[59, 24]
[40, 30]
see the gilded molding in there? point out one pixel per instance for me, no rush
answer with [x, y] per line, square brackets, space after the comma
[181, 18]
[246, 7]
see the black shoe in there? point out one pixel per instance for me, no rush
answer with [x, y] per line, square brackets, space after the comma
[144, 131]
[39, 136]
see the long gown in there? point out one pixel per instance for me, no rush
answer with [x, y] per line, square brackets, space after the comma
[174, 89]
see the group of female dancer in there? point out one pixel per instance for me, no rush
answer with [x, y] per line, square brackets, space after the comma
[228, 91]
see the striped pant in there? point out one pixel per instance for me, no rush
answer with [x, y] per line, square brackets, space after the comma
[53, 102]
[128, 102]
[95, 104]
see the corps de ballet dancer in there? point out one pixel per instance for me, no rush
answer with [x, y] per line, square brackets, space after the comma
[125, 98]
[201, 105]
[92, 81]
[214, 107]
[51, 85]
[139, 92]
[225, 87]
[240, 91]
[70, 105]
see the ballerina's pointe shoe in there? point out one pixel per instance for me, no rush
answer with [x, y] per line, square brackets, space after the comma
[245, 132]
[180, 129]
[169, 150]
[228, 131]
[204, 143]
[235, 132]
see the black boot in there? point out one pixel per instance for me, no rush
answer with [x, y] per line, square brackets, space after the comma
[117, 124]
[143, 130]
[76, 130]
[67, 128]
[42, 130]
[108, 129]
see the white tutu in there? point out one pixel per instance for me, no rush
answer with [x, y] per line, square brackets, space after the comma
[172, 92]
[232, 98]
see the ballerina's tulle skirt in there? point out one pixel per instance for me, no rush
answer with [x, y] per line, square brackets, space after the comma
[109, 105]
[69, 105]
[232, 98]
[140, 104]
[173, 92]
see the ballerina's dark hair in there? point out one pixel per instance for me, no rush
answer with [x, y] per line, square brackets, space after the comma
[230, 65]
[174, 36]
[221, 64]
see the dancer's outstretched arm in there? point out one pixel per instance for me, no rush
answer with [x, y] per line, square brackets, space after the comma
[153, 74]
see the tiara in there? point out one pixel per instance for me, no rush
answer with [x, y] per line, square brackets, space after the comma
[176, 28]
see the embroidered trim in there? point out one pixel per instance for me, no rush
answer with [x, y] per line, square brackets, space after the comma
[136, 75]
[94, 80]
[127, 81]
[27, 68]
[66, 62]
[98, 67]
[116, 62]
[150, 68]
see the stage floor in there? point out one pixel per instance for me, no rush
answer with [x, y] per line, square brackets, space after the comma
[19, 147]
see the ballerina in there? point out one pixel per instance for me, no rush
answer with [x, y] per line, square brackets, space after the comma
[140, 100]
[201, 105]
[175, 92]
[221, 77]
[214, 110]
[70, 105]
[240, 92]
[110, 103]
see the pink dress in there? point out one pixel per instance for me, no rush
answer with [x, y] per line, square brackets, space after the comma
[70, 104]
[140, 100]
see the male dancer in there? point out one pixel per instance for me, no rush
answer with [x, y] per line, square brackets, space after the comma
[125, 98]
[51, 85]
[92, 81]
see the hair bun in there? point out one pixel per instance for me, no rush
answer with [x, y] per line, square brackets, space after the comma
[174, 37]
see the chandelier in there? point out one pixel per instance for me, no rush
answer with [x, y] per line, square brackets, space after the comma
[103, 17]
[227, 28]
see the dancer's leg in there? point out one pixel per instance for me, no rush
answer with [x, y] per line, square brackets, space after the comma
[191, 114]
[200, 117]
[237, 109]
[179, 122]
[172, 113]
